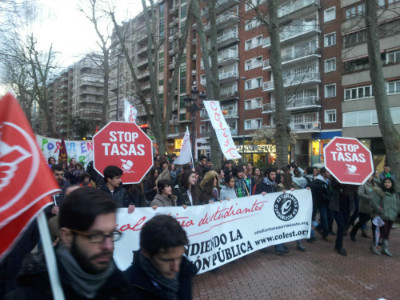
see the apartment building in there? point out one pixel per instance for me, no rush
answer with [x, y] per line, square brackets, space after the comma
[358, 105]
[325, 71]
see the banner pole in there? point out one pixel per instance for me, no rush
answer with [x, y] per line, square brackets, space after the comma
[58, 293]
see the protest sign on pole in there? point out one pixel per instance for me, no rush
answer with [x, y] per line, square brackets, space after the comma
[222, 232]
[130, 112]
[222, 130]
[185, 156]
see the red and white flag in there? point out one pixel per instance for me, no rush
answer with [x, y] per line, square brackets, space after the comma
[26, 182]
[185, 156]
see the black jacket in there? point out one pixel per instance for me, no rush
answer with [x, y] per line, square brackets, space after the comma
[33, 283]
[321, 192]
[182, 196]
[144, 287]
[120, 196]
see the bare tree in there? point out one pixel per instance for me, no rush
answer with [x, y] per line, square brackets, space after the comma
[281, 115]
[157, 116]
[391, 137]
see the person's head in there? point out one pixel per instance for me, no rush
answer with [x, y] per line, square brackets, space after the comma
[58, 173]
[172, 167]
[230, 181]
[244, 169]
[249, 167]
[270, 174]
[72, 162]
[87, 228]
[164, 187]
[296, 172]
[162, 242]
[51, 160]
[386, 169]
[210, 180]
[376, 174]
[188, 179]
[256, 172]
[238, 172]
[324, 172]
[153, 174]
[203, 160]
[388, 185]
[85, 177]
[112, 176]
[286, 180]
[309, 171]
[221, 173]
[315, 171]
[164, 164]
[79, 166]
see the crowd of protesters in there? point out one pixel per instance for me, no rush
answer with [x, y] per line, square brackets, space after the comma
[167, 184]
[376, 203]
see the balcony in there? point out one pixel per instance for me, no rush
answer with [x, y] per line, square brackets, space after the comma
[143, 75]
[227, 38]
[311, 102]
[229, 92]
[300, 79]
[228, 56]
[232, 114]
[296, 8]
[295, 30]
[225, 4]
[224, 21]
[306, 127]
[295, 56]
[228, 76]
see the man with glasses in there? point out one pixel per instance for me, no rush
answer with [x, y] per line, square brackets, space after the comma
[85, 255]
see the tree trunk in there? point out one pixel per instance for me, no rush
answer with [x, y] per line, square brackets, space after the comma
[281, 116]
[390, 136]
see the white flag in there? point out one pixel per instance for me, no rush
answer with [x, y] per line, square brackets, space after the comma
[130, 112]
[186, 150]
[222, 130]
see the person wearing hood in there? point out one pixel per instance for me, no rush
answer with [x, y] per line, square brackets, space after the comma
[228, 191]
[210, 188]
[164, 196]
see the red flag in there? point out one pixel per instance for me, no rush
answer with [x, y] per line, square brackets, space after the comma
[62, 155]
[25, 179]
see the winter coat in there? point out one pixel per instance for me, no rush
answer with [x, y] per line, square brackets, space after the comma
[34, 283]
[270, 186]
[160, 200]
[146, 289]
[340, 201]
[149, 191]
[241, 188]
[227, 193]
[164, 174]
[182, 195]
[365, 193]
[120, 196]
[58, 199]
[321, 191]
[389, 206]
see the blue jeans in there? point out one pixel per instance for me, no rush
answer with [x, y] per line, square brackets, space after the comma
[326, 218]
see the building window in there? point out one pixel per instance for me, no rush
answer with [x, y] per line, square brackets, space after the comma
[393, 87]
[358, 92]
[253, 63]
[253, 83]
[355, 38]
[393, 1]
[252, 124]
[330, 65]
[355, 11]
[330, 90]
[330, 39]
[393, 57]
[253, 103]
[330, 14]
[250, 24]
[330, 116]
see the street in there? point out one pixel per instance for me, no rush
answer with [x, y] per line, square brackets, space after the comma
[318, 273]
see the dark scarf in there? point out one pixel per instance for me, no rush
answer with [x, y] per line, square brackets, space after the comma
[84, 284]
[169, 287]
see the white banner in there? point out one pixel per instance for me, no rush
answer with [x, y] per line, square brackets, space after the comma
[222, 232]
[222, 130]
[185, 155]
[80, 150]
[130, 112]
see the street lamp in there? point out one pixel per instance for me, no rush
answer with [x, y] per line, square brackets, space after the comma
[192, 103]
[244, 109]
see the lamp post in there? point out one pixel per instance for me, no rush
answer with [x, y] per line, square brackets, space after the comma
[118, 71]
[191, 103]
[244, 109]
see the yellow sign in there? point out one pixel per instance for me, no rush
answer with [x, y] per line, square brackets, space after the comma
[178, 143]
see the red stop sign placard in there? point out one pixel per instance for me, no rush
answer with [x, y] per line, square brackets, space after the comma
[126, 146]
[348, 160]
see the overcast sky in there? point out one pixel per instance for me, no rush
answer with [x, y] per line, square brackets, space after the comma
[71, 34]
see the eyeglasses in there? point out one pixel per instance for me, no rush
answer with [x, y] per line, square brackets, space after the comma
[99, 237]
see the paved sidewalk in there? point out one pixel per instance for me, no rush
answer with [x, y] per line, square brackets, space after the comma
[318, 273]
